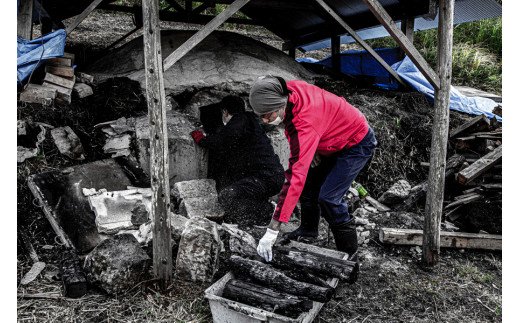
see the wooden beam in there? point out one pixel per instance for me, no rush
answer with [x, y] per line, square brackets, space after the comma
[79, 18]
[385, 19]
[203, 33]
[203, 6]
[476, 169]
[335, 50]
[407, 26]
[155, 97]
[25, 10]
[478, 123]
[440, 128]
[361, 42]
[173, 4]
[464, 240]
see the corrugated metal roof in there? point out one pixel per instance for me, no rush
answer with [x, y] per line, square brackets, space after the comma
[465, 11]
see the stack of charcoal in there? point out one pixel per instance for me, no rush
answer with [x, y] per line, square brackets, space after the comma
[288, 284]
[60, 83]
[479, 180]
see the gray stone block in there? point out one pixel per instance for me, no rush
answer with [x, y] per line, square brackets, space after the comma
[199, 250]
[186, 160]
[194, 188]
[117, 264]
[396, 193]
[204, 207]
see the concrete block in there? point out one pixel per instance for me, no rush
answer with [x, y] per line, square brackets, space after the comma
[187, 160]
[205, 207]
[194, 188]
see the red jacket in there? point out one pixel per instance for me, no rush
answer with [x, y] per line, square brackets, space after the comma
[321, 122]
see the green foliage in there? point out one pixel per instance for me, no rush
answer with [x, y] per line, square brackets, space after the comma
[477, 52]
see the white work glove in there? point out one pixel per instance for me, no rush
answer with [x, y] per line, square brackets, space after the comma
[265, 245]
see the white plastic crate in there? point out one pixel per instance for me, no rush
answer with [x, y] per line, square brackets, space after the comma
[224, 310]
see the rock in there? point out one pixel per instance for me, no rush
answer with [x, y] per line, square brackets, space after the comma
[178, 223]
[360, 221]
[205, 207]
[360, 213]
[187, 161]
[371, 209]
[68, 143]
[117, 264]
[223, 61]
[29, 146]
[194, 188]
[82, 90]
[199, 250]
[396, 193]
[118, 146]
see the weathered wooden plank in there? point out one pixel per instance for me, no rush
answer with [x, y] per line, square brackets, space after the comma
[447, 239]
[60, 61]
[385, 19]
[79, 18]
[440, 128]
[64, 71]
[478, 168]
[407, 26]
[360, 41]
[203, 33]
[25, 13]
[464, 200]
[61, 81]
[35, 93]
[155, 97]
[478, 123]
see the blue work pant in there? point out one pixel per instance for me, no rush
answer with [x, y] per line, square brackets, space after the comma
[328, 182]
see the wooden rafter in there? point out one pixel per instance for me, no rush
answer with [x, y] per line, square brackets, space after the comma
[79, 18]
[155, 97]
[361, 42]
[203, 33]
[385, 20]
[25, 10]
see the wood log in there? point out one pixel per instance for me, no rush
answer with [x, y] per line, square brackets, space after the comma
[25, 21]
[72, 276]
[298, 273]
[465, 199]
[65, 71]
[447, 239]
[314, 263]
[273, 278]
[60, 61]
[479, 123]
[265, 298]
[61, 81]
[452, 165]
[480, 166]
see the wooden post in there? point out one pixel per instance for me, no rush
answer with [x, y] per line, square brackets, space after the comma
[335, 49]
[407, 26]
[203, 33]
[385, 19]
[25, 10]
[435, 194]
[361, 42]
[79, 18]
[162, 252]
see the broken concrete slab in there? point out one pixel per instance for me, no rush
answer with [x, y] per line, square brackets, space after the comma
[117, 264]
[29, 146]
[39, 94]
[118, 126]
[68, 143]
[118, 145]
[396, 193]
[223, 61]
[121, 210]
[186, 160]
[82, 90]
[194, 188]
[204, 207]
[199, 250]
[60, 194]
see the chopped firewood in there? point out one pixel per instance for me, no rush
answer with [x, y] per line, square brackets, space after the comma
[38, 94]
[480, 166]
[480, 123]
[270, 277]
[460, 197]
[465, 200]
[453, 214]
[64, 71]
[61, 81]
[60, 61]
[448, 239]
[82, 90]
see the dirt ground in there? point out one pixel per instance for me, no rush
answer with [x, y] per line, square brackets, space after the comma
[466, 286]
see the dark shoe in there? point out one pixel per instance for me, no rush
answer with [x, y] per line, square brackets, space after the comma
[301, 233]
[345, 236]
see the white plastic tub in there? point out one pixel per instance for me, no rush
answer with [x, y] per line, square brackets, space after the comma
[227, 311]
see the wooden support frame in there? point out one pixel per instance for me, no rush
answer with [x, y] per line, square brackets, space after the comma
[385, 19]
[203, 33]
[407, 27]
[155, 97]
[361, 42]
[335, 51]
[440, 128]
[25, 11]
[79, 18]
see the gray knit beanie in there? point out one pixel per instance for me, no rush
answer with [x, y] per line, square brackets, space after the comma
[267, 95]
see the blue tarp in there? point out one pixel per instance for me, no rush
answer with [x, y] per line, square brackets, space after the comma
[361, 64]
[31, 53]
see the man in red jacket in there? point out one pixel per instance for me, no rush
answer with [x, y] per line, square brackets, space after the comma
[323, 130]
